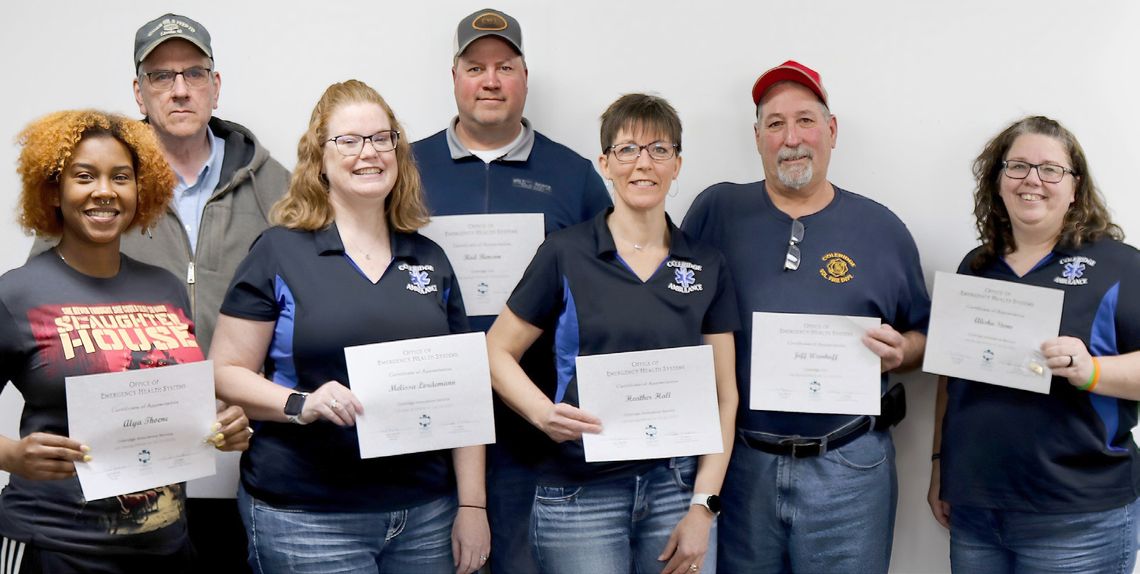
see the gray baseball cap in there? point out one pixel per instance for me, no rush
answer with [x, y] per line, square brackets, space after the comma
[488, 22]
[169, 27]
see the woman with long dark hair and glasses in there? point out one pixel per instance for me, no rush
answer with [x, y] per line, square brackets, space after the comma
[1030, 482]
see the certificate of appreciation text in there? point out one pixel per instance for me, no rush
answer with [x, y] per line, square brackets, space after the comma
[146, 428]
[653, 404]
[991, 331]
[488, 252]
[814, 364]
[422, 394]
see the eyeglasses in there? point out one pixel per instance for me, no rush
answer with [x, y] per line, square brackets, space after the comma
[352, 144]
[163, 80]
[1046, 172]
[792, 259]
[629, 152]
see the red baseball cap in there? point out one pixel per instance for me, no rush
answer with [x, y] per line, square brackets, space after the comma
[790, 71]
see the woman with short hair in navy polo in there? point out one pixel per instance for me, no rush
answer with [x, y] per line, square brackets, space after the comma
[1030, 482]
[344, 266]
[606, 286]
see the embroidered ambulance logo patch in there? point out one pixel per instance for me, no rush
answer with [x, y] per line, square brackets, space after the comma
[685, 276]
[837, 267]
[1073, 270]
[419, 278]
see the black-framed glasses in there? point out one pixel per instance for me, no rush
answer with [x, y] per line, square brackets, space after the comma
[792, 258]
[1046, 172]
[352, 144]
[629, 152]
[195, 77]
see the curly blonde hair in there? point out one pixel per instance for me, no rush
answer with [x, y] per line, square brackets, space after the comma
[306, 204]
[1086, 220]
[47, 146]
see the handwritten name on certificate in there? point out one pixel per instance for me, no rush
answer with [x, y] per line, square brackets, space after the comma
[813, 364]
[653, 404]
[422, 394]
[489, 254]
[991, 331]
[146, 428]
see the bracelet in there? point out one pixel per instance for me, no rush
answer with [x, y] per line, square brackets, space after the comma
[1094, 378]
[936, 456]
[472, 506]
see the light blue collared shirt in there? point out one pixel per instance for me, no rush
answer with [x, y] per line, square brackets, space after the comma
[190, 200]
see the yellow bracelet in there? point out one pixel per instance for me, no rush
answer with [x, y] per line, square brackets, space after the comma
[1094, 378]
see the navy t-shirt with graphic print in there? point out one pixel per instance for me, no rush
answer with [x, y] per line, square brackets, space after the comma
[321, 303]
[856, 258]
[579, 287]
[1068, 450]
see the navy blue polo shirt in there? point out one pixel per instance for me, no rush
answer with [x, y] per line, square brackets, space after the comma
[857, 258]
[579, 288]
[321, 302]
[1069, 450]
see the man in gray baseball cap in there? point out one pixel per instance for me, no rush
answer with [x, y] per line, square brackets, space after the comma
[226, 184]
[490, 160]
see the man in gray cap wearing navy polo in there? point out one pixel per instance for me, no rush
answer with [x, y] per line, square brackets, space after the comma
[490, 160]
[226, 184]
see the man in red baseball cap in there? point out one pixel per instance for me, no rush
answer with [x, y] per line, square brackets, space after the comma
[810, 491]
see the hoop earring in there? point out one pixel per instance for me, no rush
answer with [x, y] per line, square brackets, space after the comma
[676, 187]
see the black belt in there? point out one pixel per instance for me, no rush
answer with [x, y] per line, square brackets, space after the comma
[803, 447]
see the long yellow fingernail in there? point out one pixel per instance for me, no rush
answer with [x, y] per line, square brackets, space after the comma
[84, 448]
[217, 427]
[219, 437]
[86, 458]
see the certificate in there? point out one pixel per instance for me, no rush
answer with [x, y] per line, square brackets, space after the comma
[422, 394]
[653, 404]
[489, 254]
[991, 331]
[146, 428]
[814, 364]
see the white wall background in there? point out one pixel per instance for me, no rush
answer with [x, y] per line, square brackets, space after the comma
[917, 87]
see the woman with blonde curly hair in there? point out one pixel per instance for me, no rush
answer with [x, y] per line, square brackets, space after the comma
[344, 267]
[88, 177]
[1031, 482]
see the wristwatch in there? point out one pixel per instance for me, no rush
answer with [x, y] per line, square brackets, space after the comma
[709, 501]
[293, 407]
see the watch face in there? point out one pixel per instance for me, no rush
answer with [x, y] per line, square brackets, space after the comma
[294, 404]
[713, 501]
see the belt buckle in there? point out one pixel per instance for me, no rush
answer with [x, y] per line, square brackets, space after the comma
[804, 447]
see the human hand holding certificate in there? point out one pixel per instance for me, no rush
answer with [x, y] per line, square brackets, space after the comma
[146, 428]
[991, 331]
[813, 364]
[653, 404]
[422, 394]
[488, 252]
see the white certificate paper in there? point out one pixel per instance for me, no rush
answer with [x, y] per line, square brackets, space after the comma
[653, 404]
[991, 331]
[146, 428]
[489, 254]
[422, 394]
[814, 364]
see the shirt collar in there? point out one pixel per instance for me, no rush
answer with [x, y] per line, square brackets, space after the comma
[519, 152]
[679, 247]
[212, 164]
[328, 242]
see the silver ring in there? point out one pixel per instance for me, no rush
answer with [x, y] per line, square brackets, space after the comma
[694, 568]
[334, 405]
[482, 557]
[1070, 362]
[250, 429]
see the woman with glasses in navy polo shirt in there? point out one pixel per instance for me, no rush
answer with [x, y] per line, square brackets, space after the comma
[607, 286]
[1030, 482]
[344, 267]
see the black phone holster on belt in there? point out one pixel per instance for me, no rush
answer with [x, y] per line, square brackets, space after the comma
[892, 409]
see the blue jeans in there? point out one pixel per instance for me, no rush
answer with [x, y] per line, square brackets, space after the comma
[617, 526]
[286, 541]
[996, 541]
[832, 513]
[510, 488]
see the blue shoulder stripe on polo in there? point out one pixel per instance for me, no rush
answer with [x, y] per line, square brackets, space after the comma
[1102, 342]
[281, 348]
[566, 341]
